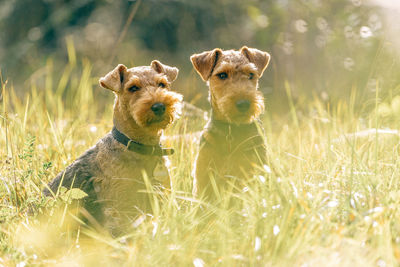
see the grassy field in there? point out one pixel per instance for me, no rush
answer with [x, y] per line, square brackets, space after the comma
[332, 199]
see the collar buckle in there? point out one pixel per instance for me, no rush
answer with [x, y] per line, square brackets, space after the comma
[128, 144]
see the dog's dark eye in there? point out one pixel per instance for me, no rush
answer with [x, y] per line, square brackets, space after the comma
[251, 76]
[162, 85]
[133, 88]
[222, 75]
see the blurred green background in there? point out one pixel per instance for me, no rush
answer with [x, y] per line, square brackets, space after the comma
[319, 48]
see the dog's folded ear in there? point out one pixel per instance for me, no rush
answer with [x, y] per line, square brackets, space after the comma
[114, 79]
[258, 57]
[205, 62]
[170, 72]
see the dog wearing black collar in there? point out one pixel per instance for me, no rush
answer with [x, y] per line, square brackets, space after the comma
[113, 172]
[232, 144]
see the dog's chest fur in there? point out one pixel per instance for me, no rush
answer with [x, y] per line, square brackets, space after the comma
[235, 149]
[115, 161]
[120, 184]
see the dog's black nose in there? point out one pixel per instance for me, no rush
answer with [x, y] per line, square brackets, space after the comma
[158, 108]
[243, 105]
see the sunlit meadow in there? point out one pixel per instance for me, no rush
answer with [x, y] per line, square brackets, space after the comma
[329, 195]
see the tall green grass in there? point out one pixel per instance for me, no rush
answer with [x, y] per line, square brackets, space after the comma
[331, 198]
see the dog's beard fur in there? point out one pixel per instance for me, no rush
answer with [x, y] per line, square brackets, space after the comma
[228, 109]
[145, 117]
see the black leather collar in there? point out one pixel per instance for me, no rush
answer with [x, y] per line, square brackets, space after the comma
[134, 146]
[231, 129]
[228, 135]
[226, 127]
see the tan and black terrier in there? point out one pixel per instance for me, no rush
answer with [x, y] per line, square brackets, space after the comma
[111, 172]
[232, 143]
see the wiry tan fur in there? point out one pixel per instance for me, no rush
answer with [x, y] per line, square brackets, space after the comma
[111, 175]
[232, 145]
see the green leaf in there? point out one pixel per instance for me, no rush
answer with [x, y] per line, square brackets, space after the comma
[76, 193]
[71, 194]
